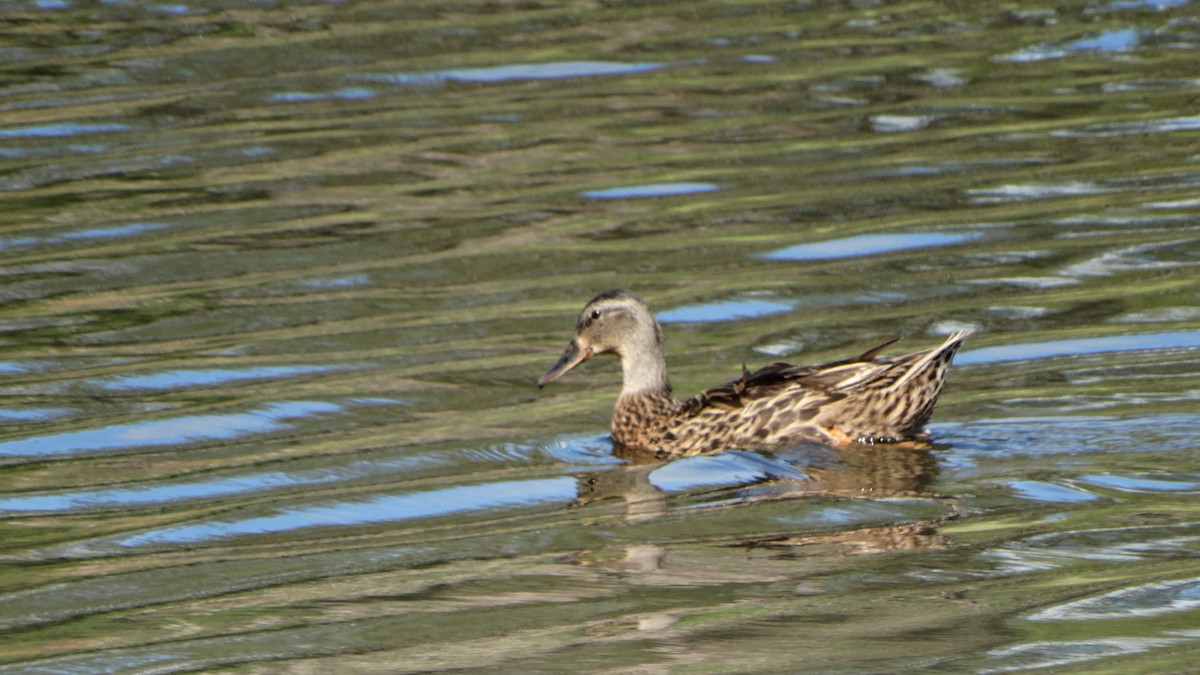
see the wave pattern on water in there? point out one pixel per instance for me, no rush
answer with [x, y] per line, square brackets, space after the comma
[277, 281]
[381, 509]
[166, 432]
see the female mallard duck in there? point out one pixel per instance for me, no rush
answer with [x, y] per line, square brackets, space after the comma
[866, 399]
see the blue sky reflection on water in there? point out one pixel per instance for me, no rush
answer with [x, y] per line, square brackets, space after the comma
[1140, 483]
[728, 468]
[1120, 40]
[519, 71]
[204, 377]
[651, 190]
[1157, 5]
[1114, 41]
[1081, 346]
[1041, 491]
[555, 70]
[109, 232]
[385, 508]
[62, 129]
[31, 414]
[726, 310]
[186, 429]
[205, 489]
[1160, 597]
[869, 244]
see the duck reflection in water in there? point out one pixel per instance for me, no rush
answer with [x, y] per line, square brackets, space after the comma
[859, 471]
[807, 470]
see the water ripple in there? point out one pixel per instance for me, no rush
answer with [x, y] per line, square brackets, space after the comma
[1119, 544]
[1120, 40]
[869, 244]
[346, 94]
[1027, 192]
[1081, 346]
[205, 377]
[520, 71]
[1033, 655]
[1049, 492]
[178, 491]
[1067, 434]
[726, 310]
[1132, 258]
[111, 232]
[651, 190]
[32, 414]
[1152, 599]
[154, 433]
[381, 509]
[1155, 126]
[1140, 483]
[890, 124]
[1156, 5]
[182, 491]
[728, 468]
[63, 129]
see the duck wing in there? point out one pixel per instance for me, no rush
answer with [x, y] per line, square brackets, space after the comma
[825, 378]
[868, 398]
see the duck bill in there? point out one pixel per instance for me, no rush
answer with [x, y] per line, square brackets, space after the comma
[572, 356]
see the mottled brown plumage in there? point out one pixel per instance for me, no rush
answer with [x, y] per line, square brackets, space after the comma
[867, 398]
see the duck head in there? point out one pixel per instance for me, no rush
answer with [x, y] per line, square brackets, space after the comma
[616, 322]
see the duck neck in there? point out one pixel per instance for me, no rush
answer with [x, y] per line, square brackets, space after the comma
[644, 370]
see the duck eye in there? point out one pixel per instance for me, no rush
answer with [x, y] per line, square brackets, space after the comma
[595, 314]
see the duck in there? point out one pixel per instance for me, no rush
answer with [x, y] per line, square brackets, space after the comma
[865, 399]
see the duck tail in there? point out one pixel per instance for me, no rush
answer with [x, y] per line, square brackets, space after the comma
[939, 357]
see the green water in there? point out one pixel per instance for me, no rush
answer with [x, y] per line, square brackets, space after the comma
[277, 282]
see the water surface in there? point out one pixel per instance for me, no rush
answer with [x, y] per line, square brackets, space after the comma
[277, 282]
